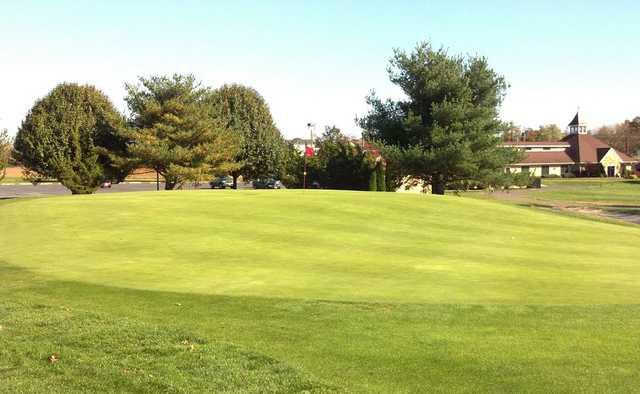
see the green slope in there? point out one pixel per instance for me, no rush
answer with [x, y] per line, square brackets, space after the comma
[325, 245]
[320, 291]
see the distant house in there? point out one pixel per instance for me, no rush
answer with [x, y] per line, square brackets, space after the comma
[579, 153]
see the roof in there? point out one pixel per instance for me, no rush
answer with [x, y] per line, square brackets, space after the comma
[575, 121]
[586, 148]
[556, 157]
[536, 143]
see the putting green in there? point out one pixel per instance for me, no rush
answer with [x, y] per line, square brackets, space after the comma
[346, 246]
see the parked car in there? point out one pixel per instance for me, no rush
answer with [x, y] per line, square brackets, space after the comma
[222, 182]
[106, 185]
[268, 183]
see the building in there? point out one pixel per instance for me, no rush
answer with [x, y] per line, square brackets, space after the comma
[578, 153]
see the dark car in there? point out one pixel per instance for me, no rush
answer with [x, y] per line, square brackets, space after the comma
[222, 182]
[267, 184]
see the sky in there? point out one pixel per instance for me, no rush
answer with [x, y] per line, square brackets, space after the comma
[315, 61]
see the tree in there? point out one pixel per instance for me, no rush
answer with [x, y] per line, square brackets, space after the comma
[511, 132]
[341, 164]
[448, 127]
[175, 132]
[245, 112]
[549, 132]
[292, 166]
[6, 145]
[624, 136]
[64, 136]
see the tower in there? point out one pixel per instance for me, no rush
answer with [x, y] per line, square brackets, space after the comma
[577, 126]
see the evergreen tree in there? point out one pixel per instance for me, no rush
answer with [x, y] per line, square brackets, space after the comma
[175, 132]
[64, 136]
[448, 128]
[244, 111]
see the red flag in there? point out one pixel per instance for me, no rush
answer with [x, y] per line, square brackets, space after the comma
[308, 151]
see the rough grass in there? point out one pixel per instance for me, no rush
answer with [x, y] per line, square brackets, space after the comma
[333, 291]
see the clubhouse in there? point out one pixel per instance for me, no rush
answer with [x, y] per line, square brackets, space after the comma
[578, 154]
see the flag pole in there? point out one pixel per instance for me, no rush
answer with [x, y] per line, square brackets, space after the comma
[304, 174]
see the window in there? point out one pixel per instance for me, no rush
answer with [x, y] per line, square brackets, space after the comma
[546, 148]
[545, 170]
[564, 169]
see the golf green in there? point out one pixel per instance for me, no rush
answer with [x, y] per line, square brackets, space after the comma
[352, 291]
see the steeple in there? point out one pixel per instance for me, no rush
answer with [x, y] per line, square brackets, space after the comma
[577, 124]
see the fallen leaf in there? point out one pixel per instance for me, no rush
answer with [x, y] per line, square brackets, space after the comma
[53, 358]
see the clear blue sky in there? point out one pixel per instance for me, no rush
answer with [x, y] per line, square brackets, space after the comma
[314, 61]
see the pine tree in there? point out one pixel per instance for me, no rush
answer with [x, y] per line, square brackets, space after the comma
[448, 128]
[175, 132]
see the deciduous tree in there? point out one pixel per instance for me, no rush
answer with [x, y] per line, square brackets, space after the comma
[64, 136]
[6, 145]
[341, 163]
[623, 136]
[244, 111]
[549, 132]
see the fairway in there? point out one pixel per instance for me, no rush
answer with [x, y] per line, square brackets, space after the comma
[345, 291]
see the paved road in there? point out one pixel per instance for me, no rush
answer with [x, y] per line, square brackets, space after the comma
[52, 189]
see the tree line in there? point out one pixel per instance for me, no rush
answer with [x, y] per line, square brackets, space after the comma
[183, 130]
[445, 133]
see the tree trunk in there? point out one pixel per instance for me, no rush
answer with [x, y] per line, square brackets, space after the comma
[438, 185]
[235, 180]
[170, 183]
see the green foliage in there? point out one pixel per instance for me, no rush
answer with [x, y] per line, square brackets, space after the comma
[6, 146]
[340, 163]
[175, 132]
[292, 167]
[381, 177]
[64, 136]
[373, 181]
[448, 128]
[244, 111]
[549, 132]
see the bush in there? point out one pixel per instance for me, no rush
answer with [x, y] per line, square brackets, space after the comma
[568, 175]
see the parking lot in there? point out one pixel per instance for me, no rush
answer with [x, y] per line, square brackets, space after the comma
[53, 189]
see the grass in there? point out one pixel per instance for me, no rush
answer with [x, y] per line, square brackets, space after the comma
[592, 190]
[341, 291]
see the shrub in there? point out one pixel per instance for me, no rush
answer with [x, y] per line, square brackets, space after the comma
[62, 137]
[373, 181]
